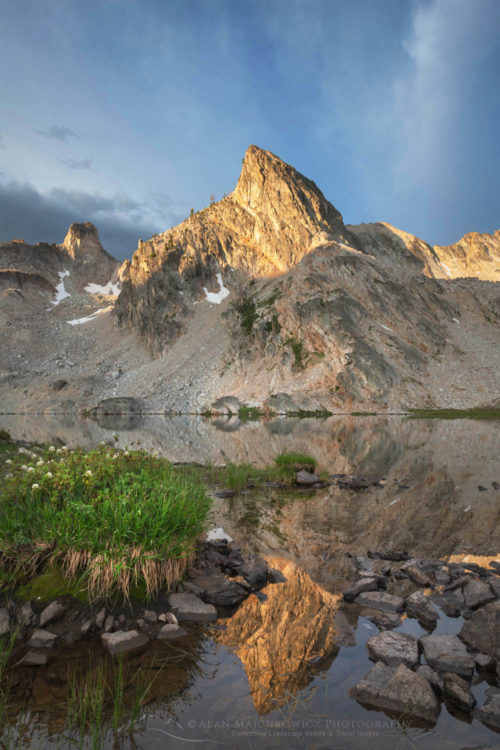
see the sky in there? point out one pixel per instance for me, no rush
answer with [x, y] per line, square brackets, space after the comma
[128, 113]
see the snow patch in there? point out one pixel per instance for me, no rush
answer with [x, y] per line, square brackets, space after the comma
[217, 297]
[467, 509]
[446, 269]
[80, 321]
[456, 320]
[61, 292]
[397, 500]
[386, 328]
[216, 535]
[108, 288]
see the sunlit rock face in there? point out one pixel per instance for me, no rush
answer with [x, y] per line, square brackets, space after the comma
[475, 255]
[318, 315]
[276, 639]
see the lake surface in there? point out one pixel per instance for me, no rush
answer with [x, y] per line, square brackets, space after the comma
[273, 675]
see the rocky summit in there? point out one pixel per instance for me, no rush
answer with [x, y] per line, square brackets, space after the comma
[264, 298]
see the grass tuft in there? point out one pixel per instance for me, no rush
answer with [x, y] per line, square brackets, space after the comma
[115, 520]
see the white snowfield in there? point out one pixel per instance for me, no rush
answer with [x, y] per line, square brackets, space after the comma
[217, 297]
[108, 288]
[61, 292]
[80, 321]
[386, 327]
[446, 269]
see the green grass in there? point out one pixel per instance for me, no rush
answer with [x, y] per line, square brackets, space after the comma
[475, 413]
[249, 413]
[287, 464]
[110, 519]
[247, 311]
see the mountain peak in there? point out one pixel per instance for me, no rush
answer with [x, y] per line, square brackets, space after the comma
[82, 241]
[271, 187]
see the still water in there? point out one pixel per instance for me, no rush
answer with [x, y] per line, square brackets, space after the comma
[273, 674]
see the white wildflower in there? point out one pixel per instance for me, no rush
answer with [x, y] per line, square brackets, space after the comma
[88, 473]
[49, 474]
[40, 463]
[35, 486]
[103, 442]
[30, 468]
[9, 476]
[24, 467]
[59, 450]
[126, 453]
[115, 455]
[52, 449]
[8, 461]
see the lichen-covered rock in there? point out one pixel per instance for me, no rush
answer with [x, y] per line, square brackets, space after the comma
[447, 653]
[393, 649]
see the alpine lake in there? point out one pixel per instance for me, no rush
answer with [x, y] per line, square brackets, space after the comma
[278, 671]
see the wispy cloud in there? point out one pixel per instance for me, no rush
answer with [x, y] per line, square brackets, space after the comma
[58, 132]
[76, 163]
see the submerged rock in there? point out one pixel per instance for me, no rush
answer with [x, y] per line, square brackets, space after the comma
[34, 659]
[397, 691]
[393, 649]
[124, 641]
[170, 631]
[42, 639]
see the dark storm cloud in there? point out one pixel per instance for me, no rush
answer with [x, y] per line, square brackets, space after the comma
[58, 132]
[76, 163]
[34, 216]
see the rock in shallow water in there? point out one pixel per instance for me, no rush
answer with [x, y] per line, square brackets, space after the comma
[190, 608]
[419, 606]
[489, 713]
[393, 649]
[170, 631]
[481, 632]
[457, 690]
[380, 600]
[42, 639]
[447, 653]
[124, 641]
[397, 691]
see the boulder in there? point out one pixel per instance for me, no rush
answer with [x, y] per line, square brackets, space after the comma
[447, 653]
[124, 642]
[480, 633]
[254, 570]
[367, 583]
[218, 590]
[393, 649]
[435, 679]
[305, 477]
[451, 602]
[484, 663]
[494, 584]
[457, 690]
[53, 611]
[489, 713]
[170, 631]
[42, 639]
[419, 606]
[383, 620]
[100, 618]
[190, 608]
[380, 600]
[397, 691]
[418, 576]
[477, 594]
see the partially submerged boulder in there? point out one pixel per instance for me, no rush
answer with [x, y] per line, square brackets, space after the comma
[393, 648]
[397, 691]
[447, 653]
[124, 642]
[190, 608]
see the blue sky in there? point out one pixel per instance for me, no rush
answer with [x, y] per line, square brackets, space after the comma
[128, 113]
